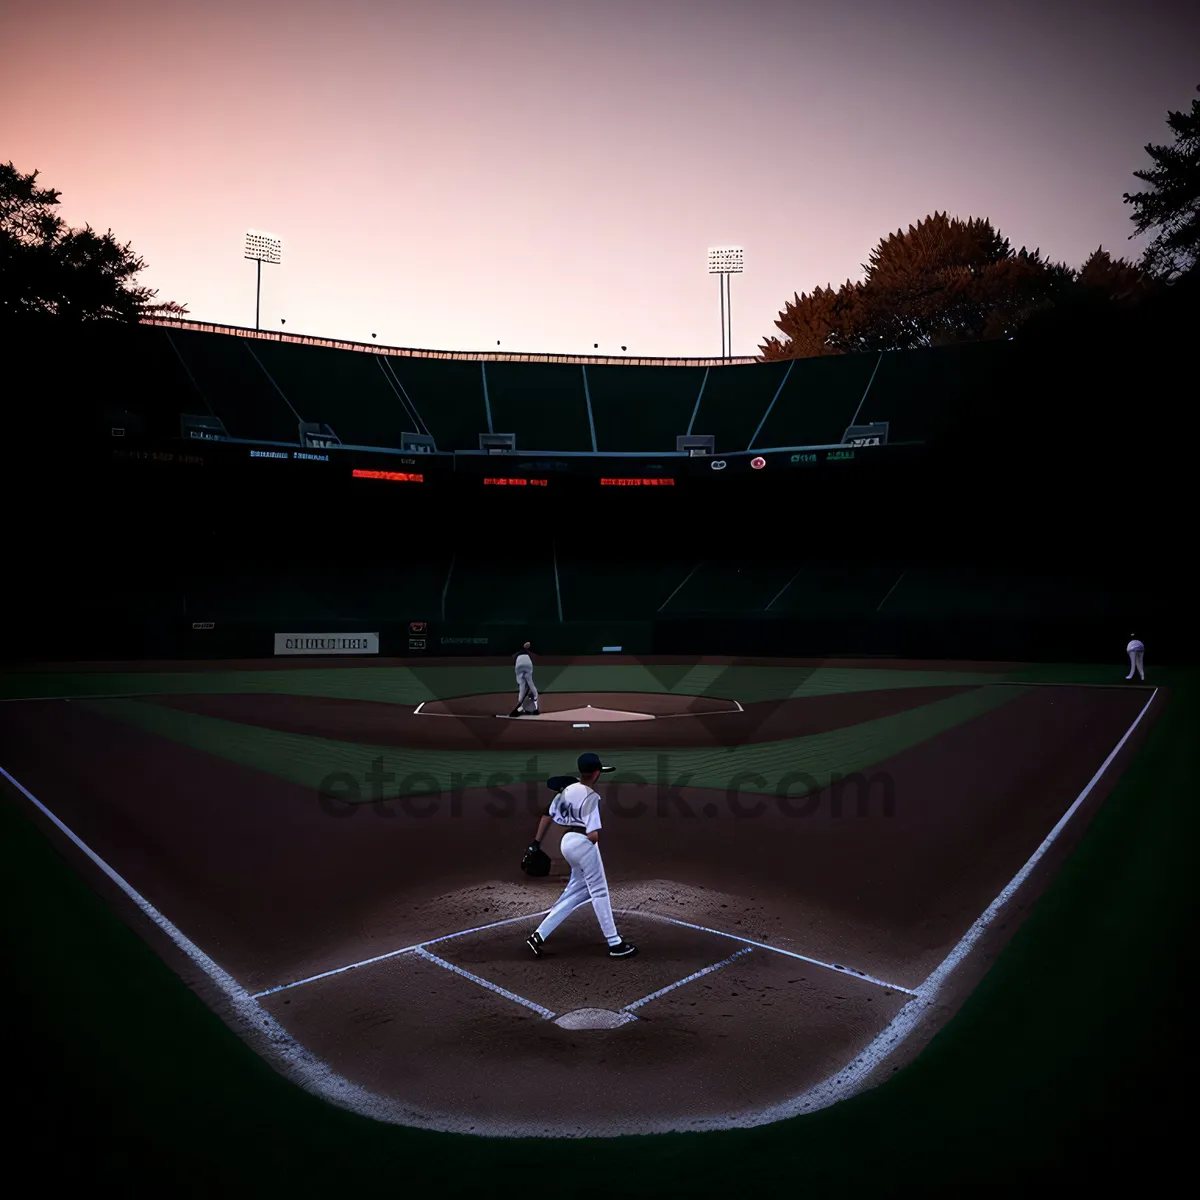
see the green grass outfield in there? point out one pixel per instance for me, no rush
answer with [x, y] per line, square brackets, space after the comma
[307, 761]
[1062, 1067]
[412, 684]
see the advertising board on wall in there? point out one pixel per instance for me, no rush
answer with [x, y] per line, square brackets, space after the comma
[327, 643]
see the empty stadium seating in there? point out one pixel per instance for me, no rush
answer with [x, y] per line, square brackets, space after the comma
[447, 395]
[544, 404]
[618, 584]
[841, 558]
[818, 399]
[1002, 592]
[262, 386]
[835, 589]
[233, 385]
[730, 585]
[644, 409]
[503, 586]
[734, 402]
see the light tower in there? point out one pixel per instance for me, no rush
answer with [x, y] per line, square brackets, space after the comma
[724, 261]
[262, 247]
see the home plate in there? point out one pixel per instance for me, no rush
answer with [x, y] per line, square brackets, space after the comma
[594, 1018]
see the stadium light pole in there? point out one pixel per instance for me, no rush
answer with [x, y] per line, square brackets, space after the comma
[721, 288]
[262, 247]
[724, 261]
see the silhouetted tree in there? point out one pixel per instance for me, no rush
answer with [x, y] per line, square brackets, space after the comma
[1115, 280]
[1100, 305]
[50, 269]
[816, 323]
[946, 280]
[1171, 204]
[943, 280]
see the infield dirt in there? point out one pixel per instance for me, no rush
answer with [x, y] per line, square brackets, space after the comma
[470, 722]
[262, 877]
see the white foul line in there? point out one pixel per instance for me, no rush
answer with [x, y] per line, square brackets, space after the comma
[716, 712]
[491, 987]
[304, 1067]
[816, 962]
[317, 1077]
[417, 947]
[929, 988]
[849, 1080]
[679, 983]
[419, 950]
[366, 962]
[413, 949]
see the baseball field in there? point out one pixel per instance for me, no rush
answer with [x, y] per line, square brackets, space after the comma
[819, 861]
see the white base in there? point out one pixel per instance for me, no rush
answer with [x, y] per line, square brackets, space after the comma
[594, 1018]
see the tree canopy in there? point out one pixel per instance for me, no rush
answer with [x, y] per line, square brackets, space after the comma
[50, 269]
[947, 280]
[1171, 204]
[941, 281]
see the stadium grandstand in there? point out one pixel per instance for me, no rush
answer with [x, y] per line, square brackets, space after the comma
[229, 483]
[261, 385]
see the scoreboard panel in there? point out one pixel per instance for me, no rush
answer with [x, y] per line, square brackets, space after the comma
[516, 472]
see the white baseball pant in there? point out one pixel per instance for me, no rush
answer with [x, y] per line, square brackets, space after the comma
[527, 693]
[587, 882]
[1135, 664]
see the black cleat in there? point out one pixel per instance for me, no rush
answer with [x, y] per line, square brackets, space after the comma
[535, 942]
[622, 950]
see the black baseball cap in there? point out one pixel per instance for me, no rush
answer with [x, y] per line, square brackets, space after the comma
[591, 762]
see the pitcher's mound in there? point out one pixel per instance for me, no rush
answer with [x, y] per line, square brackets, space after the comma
[594, 1018]
[572, 707]
[584, 714]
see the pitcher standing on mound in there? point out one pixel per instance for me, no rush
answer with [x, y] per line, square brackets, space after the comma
[527, 693]
[576, 808]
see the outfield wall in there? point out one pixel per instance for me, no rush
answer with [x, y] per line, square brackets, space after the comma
[902, 637]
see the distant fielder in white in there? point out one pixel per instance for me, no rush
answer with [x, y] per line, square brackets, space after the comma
[577, 809]
[527, 693]
[1136, 650]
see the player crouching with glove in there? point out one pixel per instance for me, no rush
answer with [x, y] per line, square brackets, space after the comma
[576, 807]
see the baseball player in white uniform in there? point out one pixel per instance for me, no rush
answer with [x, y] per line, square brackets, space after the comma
[1135, 649]
[576, 808]
[527, 693]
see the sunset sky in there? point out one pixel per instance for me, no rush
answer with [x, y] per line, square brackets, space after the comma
[549, 174]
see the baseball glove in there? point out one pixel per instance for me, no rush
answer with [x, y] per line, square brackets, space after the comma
[536, 861]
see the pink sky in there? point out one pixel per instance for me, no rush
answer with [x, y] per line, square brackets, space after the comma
[549, 174]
